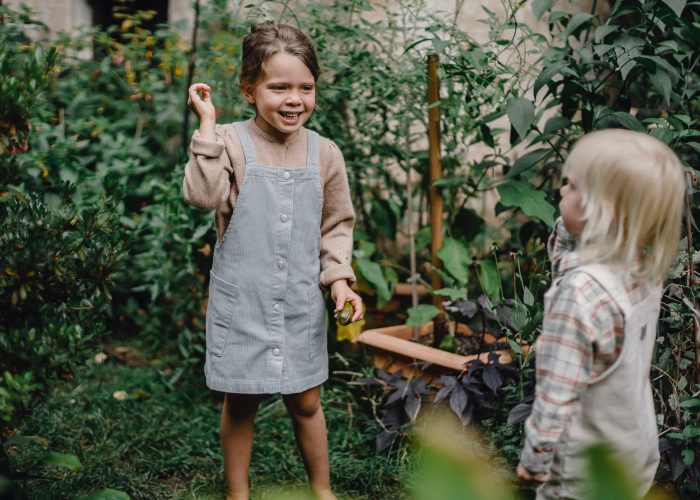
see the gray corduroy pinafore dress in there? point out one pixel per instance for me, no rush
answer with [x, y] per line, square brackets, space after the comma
[266, 328]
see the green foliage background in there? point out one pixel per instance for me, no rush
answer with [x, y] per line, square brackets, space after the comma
[96, 245]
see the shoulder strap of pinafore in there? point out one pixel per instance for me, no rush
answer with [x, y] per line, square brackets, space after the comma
[312, 151]
[612, 283]
[246, 142]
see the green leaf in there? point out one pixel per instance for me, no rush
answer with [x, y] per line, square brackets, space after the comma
[607, 477]
[521, 113]
[602, 31]
[452, 292]
[662, 83]
[690, 403]
[622, 119]
[515, 346]
[539, 7]
[532, 202]
[547, 73]
[659, 63]
[421, 314]
[439, 45]
[490, 279]
[627, 49]
[690, 432]
[527, 161]
[372, 273]
[105, 494]
[556, 123]
[576, 22]
[66, 460]
[456, 258]
[688, 457]
[200, 231]
[676, 6]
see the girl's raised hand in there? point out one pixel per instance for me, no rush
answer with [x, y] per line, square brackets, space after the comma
[201, 105]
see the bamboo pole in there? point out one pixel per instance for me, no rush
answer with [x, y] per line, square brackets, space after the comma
[436, 224]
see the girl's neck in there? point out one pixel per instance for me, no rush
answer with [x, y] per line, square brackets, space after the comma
[278, 138]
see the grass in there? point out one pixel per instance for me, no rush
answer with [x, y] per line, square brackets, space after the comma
[162, 440]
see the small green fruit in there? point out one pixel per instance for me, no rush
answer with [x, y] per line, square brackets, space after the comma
[345, 314]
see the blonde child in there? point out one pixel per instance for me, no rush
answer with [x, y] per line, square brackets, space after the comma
[611, 250]
[284, 223]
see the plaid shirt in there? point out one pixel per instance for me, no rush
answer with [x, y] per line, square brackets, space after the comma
[582, 335]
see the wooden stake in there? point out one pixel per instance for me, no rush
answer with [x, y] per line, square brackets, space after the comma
[439, 323]
[435, 170]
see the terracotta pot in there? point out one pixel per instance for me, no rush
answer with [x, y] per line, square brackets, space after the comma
[394, 350]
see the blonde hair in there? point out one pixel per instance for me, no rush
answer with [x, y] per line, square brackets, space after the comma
[632, 192]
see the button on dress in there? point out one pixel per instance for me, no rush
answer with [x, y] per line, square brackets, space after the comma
[266, 325]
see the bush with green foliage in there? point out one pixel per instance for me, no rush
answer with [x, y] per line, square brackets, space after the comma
[113, 127]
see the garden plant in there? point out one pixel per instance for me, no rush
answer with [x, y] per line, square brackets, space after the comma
[103, 268]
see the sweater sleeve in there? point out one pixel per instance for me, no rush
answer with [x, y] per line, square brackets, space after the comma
[208, 172]
[337, 221]
[560, 244]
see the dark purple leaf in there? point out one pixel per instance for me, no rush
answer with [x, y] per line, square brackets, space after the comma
[367, 381]
[396, 377]
[492, 378]
[475, 365]
[462, 309]
[519, 413]
[507, 370]
[467, 415]
[399, 393]
[384, 440]
[677, 465]
[391, 418]
[418, 385]
[664, 445]
[487, 307]
[472, 385]
[458, 400]
[412, 406]
[448, 380]
[443, 393]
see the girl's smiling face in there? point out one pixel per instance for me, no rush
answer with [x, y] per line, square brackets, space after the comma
[284, 95]
[570, 205]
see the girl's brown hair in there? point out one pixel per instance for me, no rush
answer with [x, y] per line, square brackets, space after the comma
[269, 38]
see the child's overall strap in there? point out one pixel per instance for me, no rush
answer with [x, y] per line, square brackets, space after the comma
[246, 142]
[612, 282]
[312, 151]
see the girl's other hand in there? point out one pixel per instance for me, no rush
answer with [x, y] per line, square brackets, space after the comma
[201, 105]
[341, 292]
[528, 477]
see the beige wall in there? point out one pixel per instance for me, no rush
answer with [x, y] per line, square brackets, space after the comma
[68, 15]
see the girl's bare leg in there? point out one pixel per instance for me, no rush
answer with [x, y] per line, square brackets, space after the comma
[310, 431]
[237, 417]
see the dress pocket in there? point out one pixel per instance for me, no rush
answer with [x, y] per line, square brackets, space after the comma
[222, 302]
[317, 321]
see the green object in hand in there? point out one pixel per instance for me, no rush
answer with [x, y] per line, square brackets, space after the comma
[345, 314]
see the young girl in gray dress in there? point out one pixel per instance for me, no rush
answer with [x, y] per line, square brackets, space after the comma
[284, 224]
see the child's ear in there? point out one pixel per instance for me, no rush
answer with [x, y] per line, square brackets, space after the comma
[247, 91]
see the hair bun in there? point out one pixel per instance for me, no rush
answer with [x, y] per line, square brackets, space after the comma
[264, 26]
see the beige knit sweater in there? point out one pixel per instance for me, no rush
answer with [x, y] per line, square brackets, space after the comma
[215, 171]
